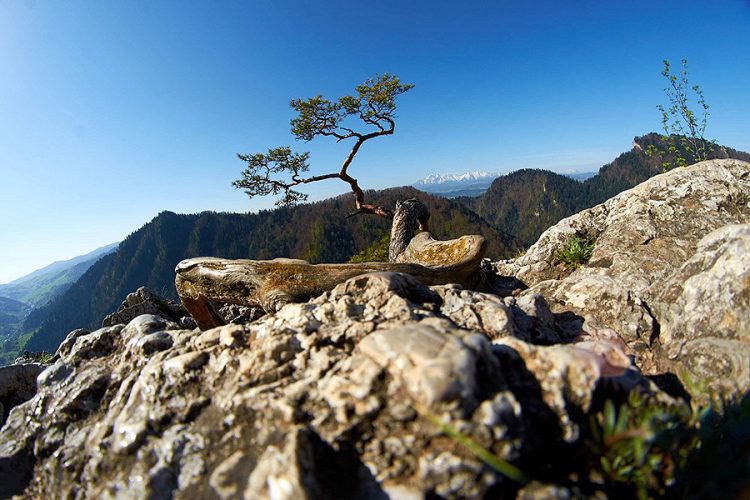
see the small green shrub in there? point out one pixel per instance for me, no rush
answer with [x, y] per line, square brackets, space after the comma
[576, 251]
[377, 252]
[684, 130]
[643, 446]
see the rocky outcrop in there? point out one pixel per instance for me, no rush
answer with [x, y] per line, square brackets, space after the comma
[658, 276]
[703, 311]
[144, 301]
[384, 384]
[331, 398]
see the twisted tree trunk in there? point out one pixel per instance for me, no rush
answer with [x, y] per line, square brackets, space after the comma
[409, 218]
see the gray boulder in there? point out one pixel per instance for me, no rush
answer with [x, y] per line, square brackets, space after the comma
[17, 384]
[144, 301]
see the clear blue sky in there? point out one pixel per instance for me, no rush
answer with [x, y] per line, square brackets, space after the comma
[114, 111]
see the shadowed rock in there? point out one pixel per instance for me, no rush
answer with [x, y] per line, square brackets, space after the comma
[270, 284]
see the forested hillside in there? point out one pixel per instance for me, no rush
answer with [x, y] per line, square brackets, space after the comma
[525, 203]
[318, 232]
[24, 302]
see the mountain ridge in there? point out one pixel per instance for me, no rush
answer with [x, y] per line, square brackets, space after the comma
[526, 202]
[511, 214]
[60, 265]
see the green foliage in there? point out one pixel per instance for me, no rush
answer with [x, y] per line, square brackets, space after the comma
[575, 252]
[684, 131]
[719, 467]
[374, 104]
[279, 170]
[256, 179]
[377, 252]
[643, 446]
[650, 448]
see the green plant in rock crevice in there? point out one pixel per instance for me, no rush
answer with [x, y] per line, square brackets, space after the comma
[496, 463]
[575, 252]
[644, 445]
[648, 447]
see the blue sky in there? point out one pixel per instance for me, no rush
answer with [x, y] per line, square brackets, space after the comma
[114, 111]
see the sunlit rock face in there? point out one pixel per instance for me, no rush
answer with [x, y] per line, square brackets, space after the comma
[328, 398]
[342, 396]
[668, 273]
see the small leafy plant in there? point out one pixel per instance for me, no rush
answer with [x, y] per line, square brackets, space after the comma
[684, 130]
[575, 252]
[644, 445]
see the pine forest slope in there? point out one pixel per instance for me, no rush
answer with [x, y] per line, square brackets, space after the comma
[12, 314]
[512, 214]
[525, 203]
[317, 232]
[25, 301]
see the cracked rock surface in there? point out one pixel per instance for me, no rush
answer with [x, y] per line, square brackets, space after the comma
[668, 272]
[324, 399]
[348, 395]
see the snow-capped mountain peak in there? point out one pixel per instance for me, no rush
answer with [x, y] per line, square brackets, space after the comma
[464, 177]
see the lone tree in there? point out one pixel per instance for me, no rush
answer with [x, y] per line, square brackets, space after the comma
[356, 118]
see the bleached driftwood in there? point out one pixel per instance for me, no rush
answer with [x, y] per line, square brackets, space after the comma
[270, 284]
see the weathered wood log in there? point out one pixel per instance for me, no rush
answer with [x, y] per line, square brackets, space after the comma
[272, 283]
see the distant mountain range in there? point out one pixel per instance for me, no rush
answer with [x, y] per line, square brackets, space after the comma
[26, 297]
[511, 214]
[40, 286]
[470, 183]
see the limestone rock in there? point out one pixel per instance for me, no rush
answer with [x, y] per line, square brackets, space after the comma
[328, 399]
[704, 314]
[647, 245]
[17, 384]
[350, 394]
[144, 301]
[431, 365]
[643, 234]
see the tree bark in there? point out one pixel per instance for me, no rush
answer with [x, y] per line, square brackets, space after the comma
[409, 218]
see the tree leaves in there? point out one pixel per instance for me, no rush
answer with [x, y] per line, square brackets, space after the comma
[257, 177]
